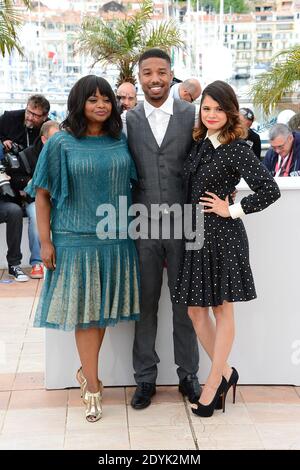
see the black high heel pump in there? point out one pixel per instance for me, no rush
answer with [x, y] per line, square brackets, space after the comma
[207, 410]
[232, 382]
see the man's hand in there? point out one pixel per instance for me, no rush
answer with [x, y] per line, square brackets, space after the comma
[215, 204]
[48, 255]
[7, 144]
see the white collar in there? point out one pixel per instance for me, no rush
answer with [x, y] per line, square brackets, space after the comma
[167, 107]
[214, 139]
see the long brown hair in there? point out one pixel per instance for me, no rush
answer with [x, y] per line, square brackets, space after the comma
[225, 96]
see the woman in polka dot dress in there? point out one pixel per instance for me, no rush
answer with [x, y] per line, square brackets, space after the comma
[219, 273]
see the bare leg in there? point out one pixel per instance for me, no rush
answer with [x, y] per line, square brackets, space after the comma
[206, 332]
[223, 344]
[88, 344]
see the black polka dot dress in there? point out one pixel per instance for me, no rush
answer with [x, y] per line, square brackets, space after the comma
[220, 270]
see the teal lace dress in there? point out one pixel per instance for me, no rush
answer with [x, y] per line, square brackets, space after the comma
[96, 280]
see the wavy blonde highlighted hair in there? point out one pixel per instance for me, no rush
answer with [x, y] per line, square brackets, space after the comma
[225, 96]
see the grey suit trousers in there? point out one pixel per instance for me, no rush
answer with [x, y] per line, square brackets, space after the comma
[152, 254]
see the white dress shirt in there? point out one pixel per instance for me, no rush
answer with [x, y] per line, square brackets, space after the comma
[159, 118]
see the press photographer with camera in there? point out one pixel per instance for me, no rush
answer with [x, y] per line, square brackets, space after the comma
[18, 130]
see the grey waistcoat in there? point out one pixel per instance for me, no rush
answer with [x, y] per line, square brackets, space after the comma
[160, 169]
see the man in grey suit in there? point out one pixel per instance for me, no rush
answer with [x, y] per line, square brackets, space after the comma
[159, 132]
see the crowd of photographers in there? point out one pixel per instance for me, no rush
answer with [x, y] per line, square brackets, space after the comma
[21, 143]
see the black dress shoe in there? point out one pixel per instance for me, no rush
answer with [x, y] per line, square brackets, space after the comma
[190, 387]
[142, 395]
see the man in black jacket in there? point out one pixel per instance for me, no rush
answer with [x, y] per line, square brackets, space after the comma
[252, 139]
[21, 127]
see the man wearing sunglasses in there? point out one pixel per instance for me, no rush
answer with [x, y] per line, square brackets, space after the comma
[189, 90]
[20, 127]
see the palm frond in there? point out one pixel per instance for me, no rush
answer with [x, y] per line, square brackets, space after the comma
[10, 21]
[142, 16]
[284, 77]
[165, 35]
[122, 41]
[135, 24]
[98, 39]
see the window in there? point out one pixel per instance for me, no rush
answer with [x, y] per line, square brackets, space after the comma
[264, 36]
[282, 27]
[284, 18]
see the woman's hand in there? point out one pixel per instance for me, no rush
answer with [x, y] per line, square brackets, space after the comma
[233, 195]
[215, 204]
[48, 255]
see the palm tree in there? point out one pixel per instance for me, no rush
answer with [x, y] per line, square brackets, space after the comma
[282, 78]
[121, 42]
[10, 20]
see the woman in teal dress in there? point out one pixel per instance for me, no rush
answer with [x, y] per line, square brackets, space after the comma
[92, 267]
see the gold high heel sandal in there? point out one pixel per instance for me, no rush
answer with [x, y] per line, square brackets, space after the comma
[93, 411]
[83, 384]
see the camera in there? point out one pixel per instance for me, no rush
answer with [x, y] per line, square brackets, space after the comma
[9, 162]
[5, 187]
[10, 159]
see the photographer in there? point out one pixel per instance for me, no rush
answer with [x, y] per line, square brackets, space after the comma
[18, 130]
[29, 159]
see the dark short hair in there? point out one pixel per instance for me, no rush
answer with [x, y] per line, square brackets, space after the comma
[158, 53]
[76, 122]
[39, 101]
[225, 96]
